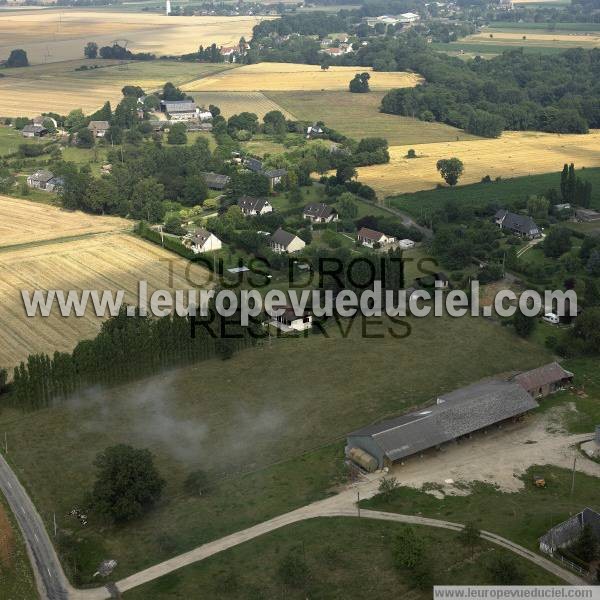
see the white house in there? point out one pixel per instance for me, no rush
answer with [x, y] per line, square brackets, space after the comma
[289, 321]
[202, 241]
[318, 212]
[205, 115]
[283, 241]
[251, 207]
[370, 237]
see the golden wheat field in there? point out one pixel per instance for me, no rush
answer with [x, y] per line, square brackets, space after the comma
[60, 87]
[512, 155]
[290, 76]
[105, 261]
[58, 35]
[588, 40]
[23, 222]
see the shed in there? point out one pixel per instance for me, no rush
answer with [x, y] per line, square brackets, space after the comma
[544, 380]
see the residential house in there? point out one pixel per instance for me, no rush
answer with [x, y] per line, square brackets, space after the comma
[179, 110]
[318, 212]
[283, 241]
[215, 181]
[253, 164]
[371, 238]
[521, 225]
[313, 131]
[201, 241]
[586, 215]
[99, 128]
[42, 119]
[251, 207]
[204, 115]
[39, 180]
[30, 131]
[275, 176]
[289, 321]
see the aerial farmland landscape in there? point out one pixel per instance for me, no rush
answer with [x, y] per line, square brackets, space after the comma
[299, 300]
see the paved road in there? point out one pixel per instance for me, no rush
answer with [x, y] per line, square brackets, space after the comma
[53, 584]
[51, 581]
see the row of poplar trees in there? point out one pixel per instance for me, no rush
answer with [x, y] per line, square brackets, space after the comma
[125, 349]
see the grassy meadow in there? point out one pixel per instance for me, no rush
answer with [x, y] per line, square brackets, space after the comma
[358, 116]
[345, 558]
[267, 445]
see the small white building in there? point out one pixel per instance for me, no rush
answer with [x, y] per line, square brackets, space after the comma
[289, 321]
[284, 241]
[251, 207]
[371, 238]
[406, 244]
[202, 241]
[318, 212]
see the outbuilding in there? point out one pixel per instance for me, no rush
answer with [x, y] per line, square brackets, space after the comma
[544, 380]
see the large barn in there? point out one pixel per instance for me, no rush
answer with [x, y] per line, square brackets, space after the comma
[452, 417]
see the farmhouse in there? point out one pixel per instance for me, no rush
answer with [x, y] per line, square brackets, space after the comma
[202, 241]
[288, 321]
[319, 212]
[544, 380]
[452, 417]
[40, 120]
[283, 241]
[313, 131]
[99, 128]
[30, 131]
[274, 176]
[371, 238]
[586, 215]
[215, 181]
[518, 224]
[179, 110]
[567, 532]
[44, 180]
[252, 207]
[253, 164]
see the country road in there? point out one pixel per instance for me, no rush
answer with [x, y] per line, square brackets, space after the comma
[53, 584]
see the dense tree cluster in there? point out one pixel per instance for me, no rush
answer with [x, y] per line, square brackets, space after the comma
[557, 93]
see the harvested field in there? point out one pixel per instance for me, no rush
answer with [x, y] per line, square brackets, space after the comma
[59, 35]
[290, 76]
[59, 87]
[501, 36]
[106, 261]
[23, 222]
[512, 155]
[358, 116]
[232, 103]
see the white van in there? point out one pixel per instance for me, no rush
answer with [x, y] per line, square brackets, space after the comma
[551, 318]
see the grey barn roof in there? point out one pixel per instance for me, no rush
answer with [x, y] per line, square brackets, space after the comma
[175, 106]
[568, 531]
[215, 180]
[544, 375]
[456, 414]
[521, 223]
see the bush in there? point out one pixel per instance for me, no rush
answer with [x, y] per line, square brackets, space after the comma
[196, 483]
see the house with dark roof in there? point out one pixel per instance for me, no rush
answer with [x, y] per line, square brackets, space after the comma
[275, 176]
[201, 241]
[454, 416]
[215, 181]
[30, 131]
[283, 241]
[179, 110]
[251, 207]
[521, 225]
[253, 164]
[319, 212]
[566, 533]
[41, 180]
[544, 380]
[586, 215]
[289, 321]
[371, 238]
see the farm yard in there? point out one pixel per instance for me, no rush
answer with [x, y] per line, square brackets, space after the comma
[47, 248]
[59, 35]
[290, 76]
[358, 116]
[265, 452]
[60, 87]
[515, 153]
